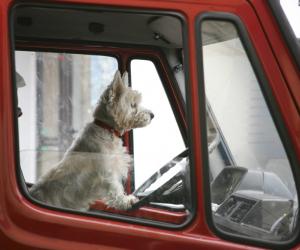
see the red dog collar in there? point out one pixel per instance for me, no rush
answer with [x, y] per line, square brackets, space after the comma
[106, 126]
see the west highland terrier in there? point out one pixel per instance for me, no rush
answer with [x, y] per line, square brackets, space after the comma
[97, 162]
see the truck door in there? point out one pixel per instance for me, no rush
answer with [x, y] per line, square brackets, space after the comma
[217, 168]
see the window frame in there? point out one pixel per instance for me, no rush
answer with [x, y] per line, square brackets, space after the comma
[83, 47]
[274, 112]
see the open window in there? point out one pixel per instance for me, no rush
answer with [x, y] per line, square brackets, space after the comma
[64, 59]
[252, 189]
[154, 146]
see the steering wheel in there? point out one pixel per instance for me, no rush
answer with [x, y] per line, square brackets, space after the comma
[159, 183]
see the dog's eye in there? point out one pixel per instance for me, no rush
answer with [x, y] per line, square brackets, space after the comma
[133, 105]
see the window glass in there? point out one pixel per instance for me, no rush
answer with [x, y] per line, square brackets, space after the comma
[291, 9]
[252, 187]
[288, 13]
[57, 101]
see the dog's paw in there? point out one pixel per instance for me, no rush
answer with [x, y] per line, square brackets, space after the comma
[126, 202]
[123, 202]
[132, 199]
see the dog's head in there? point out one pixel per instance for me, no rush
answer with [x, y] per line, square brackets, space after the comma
[119, 106]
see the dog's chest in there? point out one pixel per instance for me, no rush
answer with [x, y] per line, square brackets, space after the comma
[115, 155]
[110, 154]
[120, 159]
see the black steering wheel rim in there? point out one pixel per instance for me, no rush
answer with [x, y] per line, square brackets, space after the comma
[146, 199]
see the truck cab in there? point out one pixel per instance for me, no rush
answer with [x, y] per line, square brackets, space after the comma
[217, 168]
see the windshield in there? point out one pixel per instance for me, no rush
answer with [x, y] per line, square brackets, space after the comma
[291, 9]
[288, 13]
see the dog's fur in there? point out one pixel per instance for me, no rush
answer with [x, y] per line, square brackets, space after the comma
[96, 163]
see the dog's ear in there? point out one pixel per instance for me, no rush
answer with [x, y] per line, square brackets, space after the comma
[113, 90]
[117, 85]
[116, 76]
[125, 79]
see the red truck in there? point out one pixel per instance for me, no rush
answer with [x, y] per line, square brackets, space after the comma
[218, 167]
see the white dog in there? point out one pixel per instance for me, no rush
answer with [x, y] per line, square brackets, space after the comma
[96, 163]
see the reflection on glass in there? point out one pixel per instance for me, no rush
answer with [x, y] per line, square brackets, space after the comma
[252, 187]
[57, 101]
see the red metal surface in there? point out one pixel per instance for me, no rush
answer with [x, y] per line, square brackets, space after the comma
[24, 225]
[148, 213]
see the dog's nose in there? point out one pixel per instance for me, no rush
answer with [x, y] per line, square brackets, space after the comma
[151, 115]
